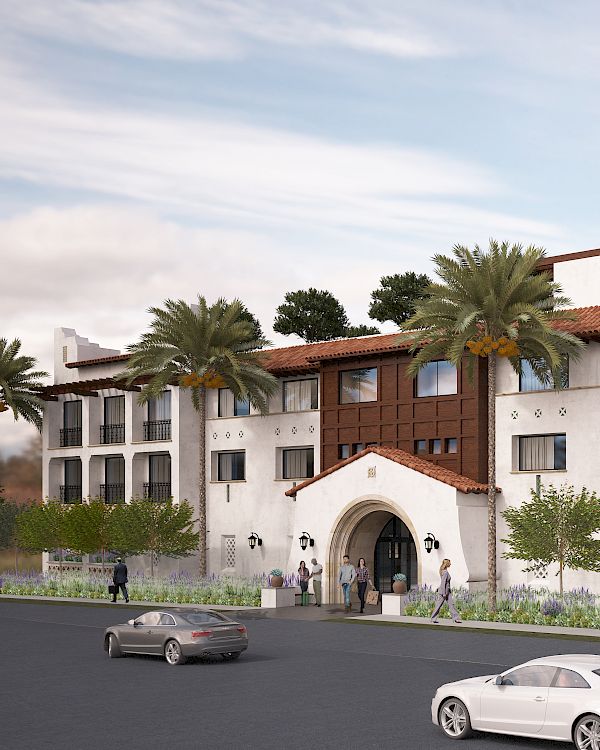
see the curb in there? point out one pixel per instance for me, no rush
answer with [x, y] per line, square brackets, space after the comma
[60, 600]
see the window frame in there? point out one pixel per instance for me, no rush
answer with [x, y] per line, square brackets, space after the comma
[554, 435]
[218, 467]
[437, 393]
[309, 463]
[341, 374]
[551, 385]
[236, 401]
[314, 393]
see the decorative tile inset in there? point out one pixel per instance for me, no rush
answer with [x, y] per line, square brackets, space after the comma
[241, 433]
[311, 428]
[514, 414]
[228, 435]
[215, 436]
[294, 430]
[277, 431]
[537, 413]
[562, 412]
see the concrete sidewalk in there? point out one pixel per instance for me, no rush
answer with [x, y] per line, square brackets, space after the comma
[469, 625]
[120, 603]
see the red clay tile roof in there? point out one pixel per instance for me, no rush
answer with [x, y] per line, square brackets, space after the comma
[306, 357]
[550, 260]
[447, 476]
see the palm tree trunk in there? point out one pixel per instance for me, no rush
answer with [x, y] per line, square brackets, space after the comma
[202, 479]
[491, 585]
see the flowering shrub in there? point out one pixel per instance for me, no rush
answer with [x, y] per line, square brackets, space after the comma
[399, 577]
[176, 589]
[579, 608]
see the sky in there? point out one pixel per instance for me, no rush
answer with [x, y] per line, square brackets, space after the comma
[154, 149]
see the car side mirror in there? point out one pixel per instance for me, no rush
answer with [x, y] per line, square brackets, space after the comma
[498, 680]
[131, 622]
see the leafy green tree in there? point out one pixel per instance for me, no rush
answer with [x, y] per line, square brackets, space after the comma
[492, 303]
[555, 526]
[312, 315]
[200, 348]
[8, 526]
[90, 527]
[156, 529]
[361, 330]
[43, 527]
[246, 315]
[397, 296]
[19, 383]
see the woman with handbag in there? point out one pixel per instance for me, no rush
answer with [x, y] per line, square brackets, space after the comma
[444, 595]
[363, 578]
[303, 576]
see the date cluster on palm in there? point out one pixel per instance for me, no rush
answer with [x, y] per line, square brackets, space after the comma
[503, 346]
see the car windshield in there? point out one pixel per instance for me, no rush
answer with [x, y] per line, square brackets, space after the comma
[202, 618]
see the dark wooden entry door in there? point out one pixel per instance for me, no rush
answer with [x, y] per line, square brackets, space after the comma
[395, 552]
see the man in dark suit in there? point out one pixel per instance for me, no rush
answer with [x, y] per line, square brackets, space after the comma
[120, 579]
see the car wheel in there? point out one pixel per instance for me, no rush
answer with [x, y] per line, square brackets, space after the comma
[173, 653]
[114, 650]
[454, 719]
[587, 733]
[231, 655]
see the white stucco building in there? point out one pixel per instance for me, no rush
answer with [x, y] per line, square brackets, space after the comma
[352, 453]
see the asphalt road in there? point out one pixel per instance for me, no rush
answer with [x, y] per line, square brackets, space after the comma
[318, 685]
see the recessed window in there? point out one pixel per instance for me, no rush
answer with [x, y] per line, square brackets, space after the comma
[300, 395]
[437, 379]
[421, 446]
[230, 406]
[542, 452]
[298, 463]
[357, 448]
[343, 451]
[451, 445]
[530, 381]
[358, 386]
[436, 446]
[231, 466]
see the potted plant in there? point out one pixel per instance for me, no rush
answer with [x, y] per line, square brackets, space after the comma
[276, 578]
[399, 584]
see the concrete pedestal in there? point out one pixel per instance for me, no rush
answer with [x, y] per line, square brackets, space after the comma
[281, 597]
[393, 604]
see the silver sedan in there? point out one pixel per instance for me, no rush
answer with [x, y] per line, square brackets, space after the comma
[177, 635]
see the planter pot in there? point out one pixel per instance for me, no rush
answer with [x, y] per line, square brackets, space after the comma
[399, 587]
[276, 582]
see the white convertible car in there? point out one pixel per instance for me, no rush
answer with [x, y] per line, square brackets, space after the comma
[553, 698]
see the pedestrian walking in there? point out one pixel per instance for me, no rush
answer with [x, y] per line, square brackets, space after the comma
[316, 575]
[346, 578]
[120, 579]
[444, 594]
[363, 578]
[303, 578]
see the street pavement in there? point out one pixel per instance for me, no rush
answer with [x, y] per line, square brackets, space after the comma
[301, 684]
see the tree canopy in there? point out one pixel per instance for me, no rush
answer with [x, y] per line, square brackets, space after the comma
[19, 383]
[555, 526]
[397, 295]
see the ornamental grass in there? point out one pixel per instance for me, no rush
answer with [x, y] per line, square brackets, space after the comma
[578, 608]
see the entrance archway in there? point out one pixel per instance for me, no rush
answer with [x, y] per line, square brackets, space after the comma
[358, 532]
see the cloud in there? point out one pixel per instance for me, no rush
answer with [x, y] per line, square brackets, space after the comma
[221, 29]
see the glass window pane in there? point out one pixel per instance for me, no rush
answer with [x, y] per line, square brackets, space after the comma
[421, 446]
[344, 451]
[314, 393]
[451, 445]
[241, 407]
[73, 471]
[447, 378]
[159, 408]
[368, 384]
[298, 463]
[427, 380]
[528, 380]
[226, 403]
[566, 678]
[357, 448]
[160, 469]
[436, 446]
[72, 415]
[536, 675]
[560, 451]
[114, 470]
[231, 466]
[350, 387]
[114, 410]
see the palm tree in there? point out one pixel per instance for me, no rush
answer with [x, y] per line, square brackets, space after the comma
[493, 304]
[19, 383]
[201, 347]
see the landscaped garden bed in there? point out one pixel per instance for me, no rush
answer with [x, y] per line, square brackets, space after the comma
[525, 605]
[175, 589]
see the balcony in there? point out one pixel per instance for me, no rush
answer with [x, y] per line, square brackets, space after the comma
[70, 493]
[112, 493]
[157, 491]
[112, 433]
[70, 436]
[159, 429]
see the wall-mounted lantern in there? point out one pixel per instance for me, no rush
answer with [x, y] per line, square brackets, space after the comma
[254, 540]
[306, 540]
[431, 542]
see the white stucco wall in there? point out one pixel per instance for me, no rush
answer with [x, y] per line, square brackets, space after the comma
[579, 280]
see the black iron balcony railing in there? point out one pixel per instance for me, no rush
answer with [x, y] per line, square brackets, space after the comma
[112, 493]
[159, 429]
[70, 436]
[157, 490]
[112, 433]
[70, 493]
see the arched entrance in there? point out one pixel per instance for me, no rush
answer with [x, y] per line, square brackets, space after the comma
[359, 532]
[395, 552]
